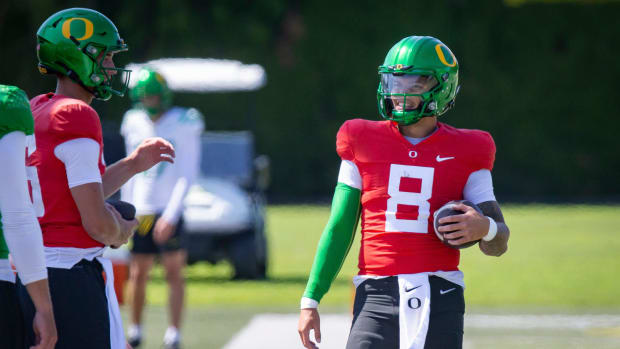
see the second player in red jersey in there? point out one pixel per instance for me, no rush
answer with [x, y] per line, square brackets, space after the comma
[69, 181]
[59, 119]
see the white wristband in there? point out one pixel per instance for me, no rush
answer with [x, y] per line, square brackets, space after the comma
[492, 230]
[308, 303]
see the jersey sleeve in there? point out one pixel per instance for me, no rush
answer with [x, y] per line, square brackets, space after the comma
[81, 157]
[484, 152]
[479, 187]
[15, 114]
[71, 121]
[187, 164]
[344, 146]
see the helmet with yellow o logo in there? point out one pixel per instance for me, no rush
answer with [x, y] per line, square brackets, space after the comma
[418, 78]
[74, 43]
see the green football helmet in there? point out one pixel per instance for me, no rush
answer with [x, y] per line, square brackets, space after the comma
[15, 114]
[151, 83]
[419, 78]
[74, 43]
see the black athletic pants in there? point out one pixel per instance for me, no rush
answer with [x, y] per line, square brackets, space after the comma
[375, 315]
[11, 323]
[80, 307]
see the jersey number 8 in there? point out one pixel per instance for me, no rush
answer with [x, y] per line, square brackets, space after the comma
[398, 197]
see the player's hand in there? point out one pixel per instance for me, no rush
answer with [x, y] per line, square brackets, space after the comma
[162, 231]
[309, 319]
[469, 226]
[44, 330]
[128, 346]
[126, 227]
[151, 152]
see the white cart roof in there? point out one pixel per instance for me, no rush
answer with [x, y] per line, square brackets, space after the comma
[205, 74]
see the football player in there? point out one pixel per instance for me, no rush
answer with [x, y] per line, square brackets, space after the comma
[395, 174]
[70, 181]
[158, 195]
[20, 229]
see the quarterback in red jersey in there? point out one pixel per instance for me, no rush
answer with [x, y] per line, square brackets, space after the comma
[69, 179]
[60, 119]
[395, 174]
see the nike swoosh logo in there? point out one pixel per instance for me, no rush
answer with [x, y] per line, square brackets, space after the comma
[411, 289]
[440, 159]
[446, 291]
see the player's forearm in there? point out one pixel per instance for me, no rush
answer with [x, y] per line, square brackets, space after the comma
[175, 204]
[335, 241]
[104, 228]
[23, 237]
[187, 168]
[498, 245]
[40, 294]
[97, 220]
[116, 175]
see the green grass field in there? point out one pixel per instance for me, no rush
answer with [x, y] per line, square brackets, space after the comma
[560, 259]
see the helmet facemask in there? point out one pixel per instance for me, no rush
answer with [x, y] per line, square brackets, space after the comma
[406, 98]
[107, 80]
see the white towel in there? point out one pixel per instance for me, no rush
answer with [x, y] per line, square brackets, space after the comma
[117, 335]
[414, 309]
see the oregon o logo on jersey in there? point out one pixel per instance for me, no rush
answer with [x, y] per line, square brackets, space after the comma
[88, 28]
[439, 48]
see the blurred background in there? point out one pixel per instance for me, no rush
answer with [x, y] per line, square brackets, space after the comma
[541, 76]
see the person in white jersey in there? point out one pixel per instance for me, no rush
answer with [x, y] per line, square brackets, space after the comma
[158, 196]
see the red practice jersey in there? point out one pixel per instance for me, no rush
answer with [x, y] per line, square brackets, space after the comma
[403, 185]
[58, 119]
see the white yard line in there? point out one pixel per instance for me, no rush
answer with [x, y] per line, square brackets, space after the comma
[279, 331]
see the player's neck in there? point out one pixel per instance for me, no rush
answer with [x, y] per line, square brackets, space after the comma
[420, 129]
[67, 87]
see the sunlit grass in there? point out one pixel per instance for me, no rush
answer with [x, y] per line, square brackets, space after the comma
[559, 256]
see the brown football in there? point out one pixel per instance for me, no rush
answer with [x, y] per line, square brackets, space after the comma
[448, 210]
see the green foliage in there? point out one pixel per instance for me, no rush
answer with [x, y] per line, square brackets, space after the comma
[541, 78]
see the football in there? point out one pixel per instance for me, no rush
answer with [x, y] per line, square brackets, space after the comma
[448, 210]
[127, 210]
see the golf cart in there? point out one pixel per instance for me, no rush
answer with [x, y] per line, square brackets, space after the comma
[224, 216]
[225, 208]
